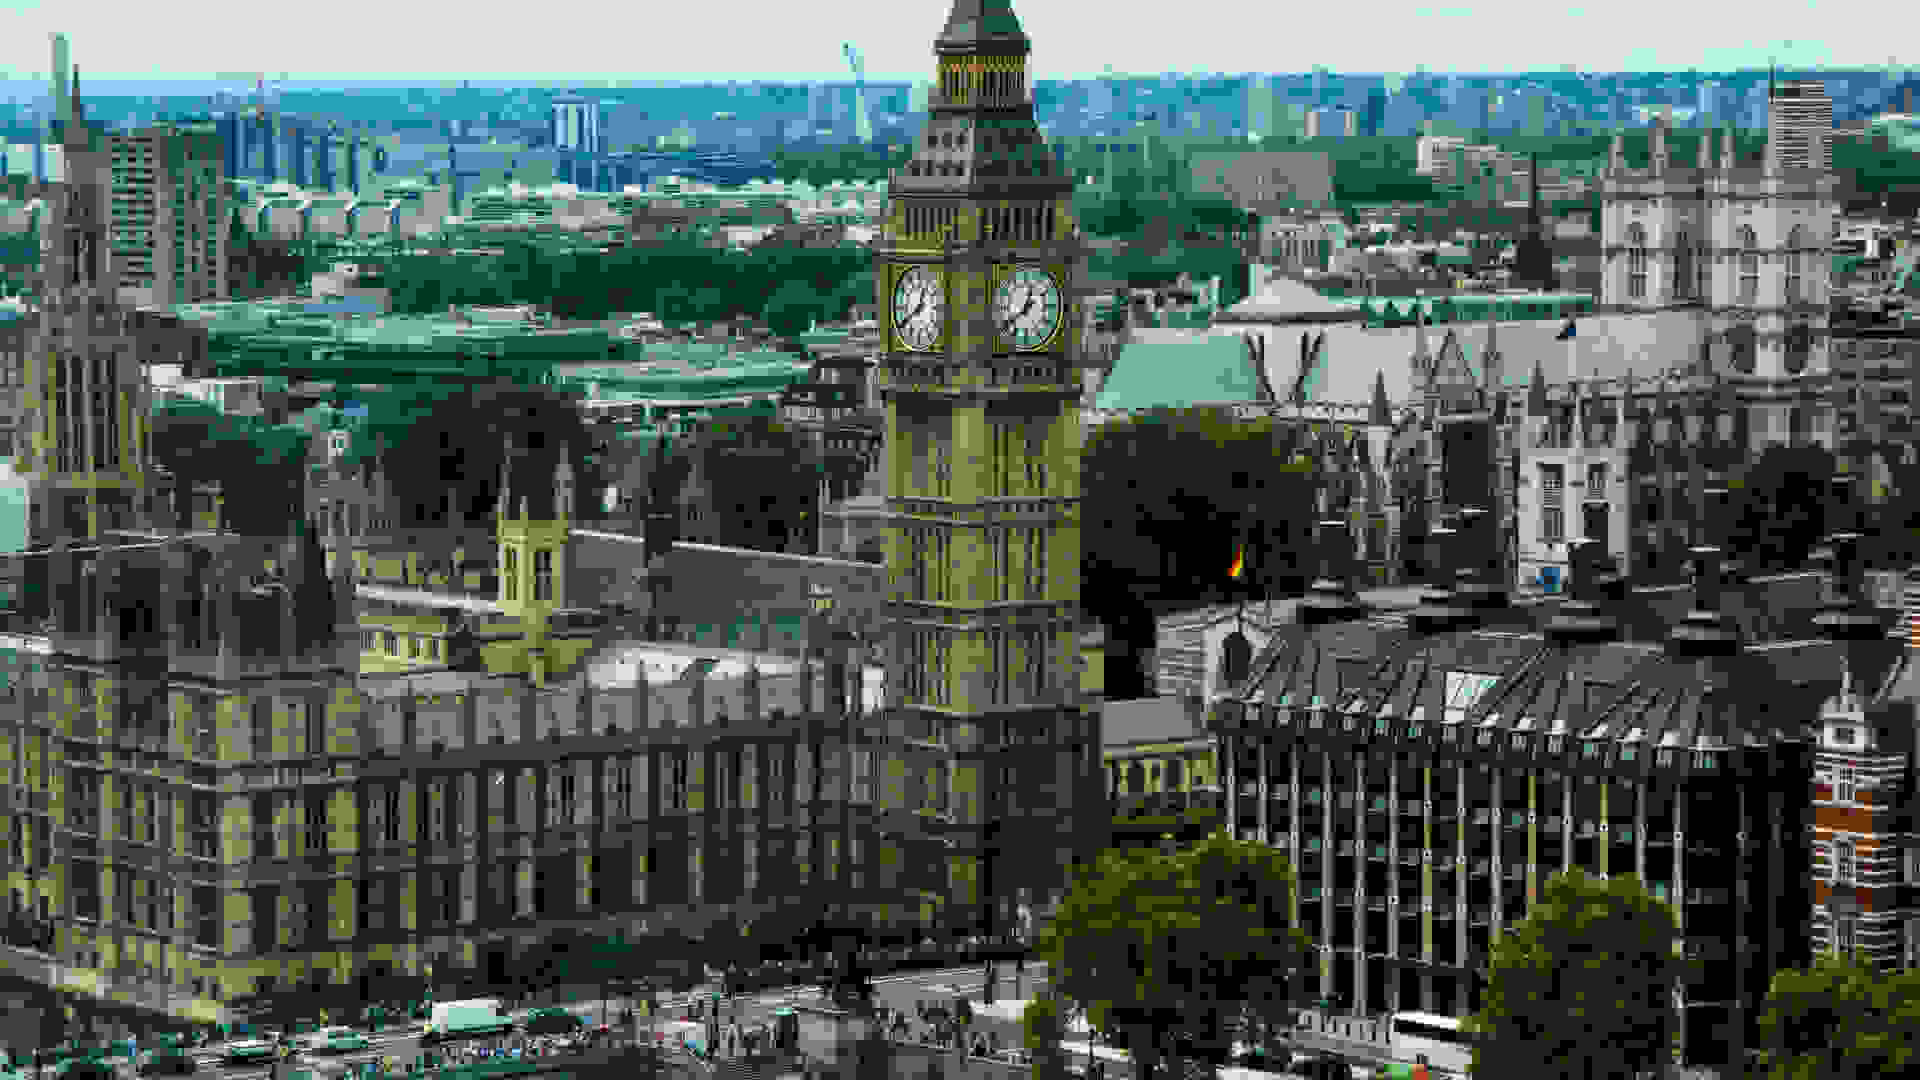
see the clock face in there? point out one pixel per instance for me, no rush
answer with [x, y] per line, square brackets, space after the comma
[1026, 308]
[919, 308]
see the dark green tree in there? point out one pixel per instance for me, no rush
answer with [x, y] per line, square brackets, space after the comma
[1781, 507]
[1584, 987]
[762, 481]
[1163, 949]
[673, 305]
[792, 308]
[1043, 1027]
[1843, 1018]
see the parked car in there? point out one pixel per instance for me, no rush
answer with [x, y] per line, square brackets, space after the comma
[335, 1040]
[553, 1022]
[166, 1062]
[249, 1052]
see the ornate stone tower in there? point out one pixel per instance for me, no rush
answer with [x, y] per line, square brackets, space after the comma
[981, 382]
[84, 396]
[532, 523]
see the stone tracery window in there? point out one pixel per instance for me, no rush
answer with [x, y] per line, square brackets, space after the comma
[1749, 265]
[1683, 273]
[1795, 265]
[1636, 261]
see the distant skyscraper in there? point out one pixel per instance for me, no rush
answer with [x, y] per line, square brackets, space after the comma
[59, 80]
[576, 124]
[1261, 107]
[1374, 116]
[176, 251]
[1800, 125]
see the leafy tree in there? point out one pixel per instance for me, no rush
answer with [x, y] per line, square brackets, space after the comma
[1842, 1018]
[674, 305]
[1163, 948]
[792, 308]
[257, 467]
[1583, 988]
[1164, 542]
[1116, 215]
[762, 479]
[1780, 508]
[1043, 1026]
[441, 480]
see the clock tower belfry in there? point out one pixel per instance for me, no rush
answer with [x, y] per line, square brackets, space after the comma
[981, 382]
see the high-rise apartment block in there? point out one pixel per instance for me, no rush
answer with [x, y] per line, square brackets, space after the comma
[169, 211]
[1800, 125]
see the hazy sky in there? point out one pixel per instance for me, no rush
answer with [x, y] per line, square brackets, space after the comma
[780, 40]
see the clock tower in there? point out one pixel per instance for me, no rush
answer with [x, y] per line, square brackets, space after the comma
[981, 384]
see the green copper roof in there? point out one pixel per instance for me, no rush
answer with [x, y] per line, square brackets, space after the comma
[1156, 375]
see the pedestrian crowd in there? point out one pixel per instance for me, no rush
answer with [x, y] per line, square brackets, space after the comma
[933, 1026]
[524, 1047]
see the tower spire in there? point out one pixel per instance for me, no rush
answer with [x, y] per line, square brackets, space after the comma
[73, 125]
[976, 23]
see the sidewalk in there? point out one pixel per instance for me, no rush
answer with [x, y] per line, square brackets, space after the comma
[1360, 1036]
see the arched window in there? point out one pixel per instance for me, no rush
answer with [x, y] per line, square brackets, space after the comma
[1743, 344]
[1796, 240]
[1749, 265]
[1683, 277]
[1799, 343]
[1636, 262]
[542, 576]
[511, 577]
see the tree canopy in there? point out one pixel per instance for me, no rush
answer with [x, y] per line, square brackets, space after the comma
[258, 466]
[1161, 949]
[438, 475]
[1043, 1026]
[763, 481]
[681, 281]
[1168, 538]
[1842, 1018]
[1584, 987]
[1781, 506]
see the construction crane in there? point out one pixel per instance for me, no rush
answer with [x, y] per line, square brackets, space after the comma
[863, 123]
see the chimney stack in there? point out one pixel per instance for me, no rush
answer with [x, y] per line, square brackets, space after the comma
[1438, 611]
[1586, 615]
[1479, 582]
[1851, 622]
[1716, 531]
[1845, 498]
[1847, 616]
[1706, 631]
[1331, 598]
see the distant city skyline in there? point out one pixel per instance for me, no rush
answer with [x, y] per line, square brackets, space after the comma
[415, 43]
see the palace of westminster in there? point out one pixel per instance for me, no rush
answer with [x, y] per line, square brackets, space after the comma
[235, 765]
[238, 764]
